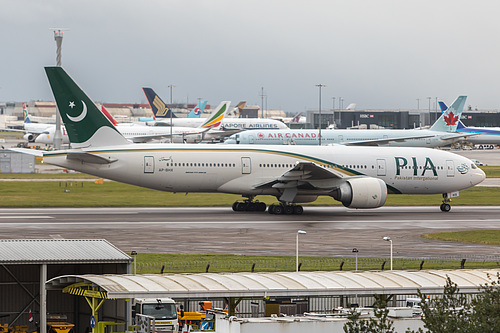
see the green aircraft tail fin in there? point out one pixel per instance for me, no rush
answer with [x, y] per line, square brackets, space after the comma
[86, 125]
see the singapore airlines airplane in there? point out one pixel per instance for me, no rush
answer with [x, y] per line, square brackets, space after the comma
[160, 110]
[194, 113]
[359, 177]
[441, 133]
[139, 133]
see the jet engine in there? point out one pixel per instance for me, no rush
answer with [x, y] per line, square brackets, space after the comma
[362, 192]
[29, 137]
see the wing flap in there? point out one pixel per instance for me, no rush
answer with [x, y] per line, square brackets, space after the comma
[302, 175]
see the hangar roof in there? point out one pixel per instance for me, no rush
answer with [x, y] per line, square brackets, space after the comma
[52, 251]
[284, 284]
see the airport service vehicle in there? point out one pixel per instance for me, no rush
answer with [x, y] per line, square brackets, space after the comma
[442, 132]
[162, 309]
[359, 177]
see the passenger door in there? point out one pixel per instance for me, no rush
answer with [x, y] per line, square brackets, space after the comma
[246, 165]
[381, 170]
[149, 164]
[450, 168]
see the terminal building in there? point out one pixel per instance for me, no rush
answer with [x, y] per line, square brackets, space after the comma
[396, 119]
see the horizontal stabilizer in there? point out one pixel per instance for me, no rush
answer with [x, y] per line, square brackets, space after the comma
[90, 158]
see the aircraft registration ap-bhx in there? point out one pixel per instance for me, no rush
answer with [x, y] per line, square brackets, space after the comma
[359, 177]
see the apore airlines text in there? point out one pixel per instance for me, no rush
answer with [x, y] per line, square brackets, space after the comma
[243, 126]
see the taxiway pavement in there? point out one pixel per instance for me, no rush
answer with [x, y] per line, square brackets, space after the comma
[331, 231]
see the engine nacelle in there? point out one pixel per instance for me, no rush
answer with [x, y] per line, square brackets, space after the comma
[29, 137]
[363, 192]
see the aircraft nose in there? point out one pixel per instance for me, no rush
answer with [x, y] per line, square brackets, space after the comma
[477, 176]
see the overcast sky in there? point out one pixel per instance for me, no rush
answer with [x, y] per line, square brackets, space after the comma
[375, 53]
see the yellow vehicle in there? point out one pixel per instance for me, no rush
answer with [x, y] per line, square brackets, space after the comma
[194, 318]
[58, 324]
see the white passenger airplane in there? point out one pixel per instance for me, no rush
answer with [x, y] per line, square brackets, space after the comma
[484, 135]
[442, 132]
[30, 129]
[139, 133]
[359, 177]
[160, 110]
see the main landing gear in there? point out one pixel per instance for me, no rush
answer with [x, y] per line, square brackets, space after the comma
[445, 206]
[248, 205]
[281, 208]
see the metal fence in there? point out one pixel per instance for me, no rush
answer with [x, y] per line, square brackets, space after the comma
[326, 264]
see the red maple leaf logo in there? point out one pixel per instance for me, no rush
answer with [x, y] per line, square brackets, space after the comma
[451, 119]
[260, 135]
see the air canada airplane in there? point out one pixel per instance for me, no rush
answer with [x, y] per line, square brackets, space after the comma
[359, 177]
[441, 133]
[484, 135]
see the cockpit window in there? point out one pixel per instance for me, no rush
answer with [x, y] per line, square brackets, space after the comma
[473, 166]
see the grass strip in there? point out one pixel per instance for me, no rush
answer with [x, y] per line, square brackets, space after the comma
[114, 194]
[155, 263]
[487, 237]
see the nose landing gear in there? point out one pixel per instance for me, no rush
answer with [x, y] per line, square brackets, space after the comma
[445, 206]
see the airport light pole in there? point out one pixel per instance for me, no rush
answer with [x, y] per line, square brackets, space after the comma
[262, 95]
[388, 239]
[300, 232]
[58, 37]
[134, 253]
[431, 121]
[171, 113]
[320, 86]
[333, 114]
[355, 251]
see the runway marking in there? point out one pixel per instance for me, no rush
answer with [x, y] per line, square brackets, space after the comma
[351, 222]
[26, 217]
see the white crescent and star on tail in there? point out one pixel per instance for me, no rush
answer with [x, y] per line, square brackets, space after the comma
[81, 116]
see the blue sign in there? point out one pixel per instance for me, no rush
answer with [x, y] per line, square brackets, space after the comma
[92, 321]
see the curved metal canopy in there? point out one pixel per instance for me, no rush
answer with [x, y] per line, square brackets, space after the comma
[284, 284]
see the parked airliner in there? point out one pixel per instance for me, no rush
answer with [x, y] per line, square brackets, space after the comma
[359, 177]
[484, 135]
[160, 109]
[440, 134]
[140, 133]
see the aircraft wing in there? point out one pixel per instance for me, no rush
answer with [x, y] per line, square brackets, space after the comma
[453, 136]
[224, 133]
[304, 175]
[34, 152]
[21, 131]
[149, 137]
[377, 142]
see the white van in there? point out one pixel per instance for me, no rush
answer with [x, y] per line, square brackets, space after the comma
[162, 309]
